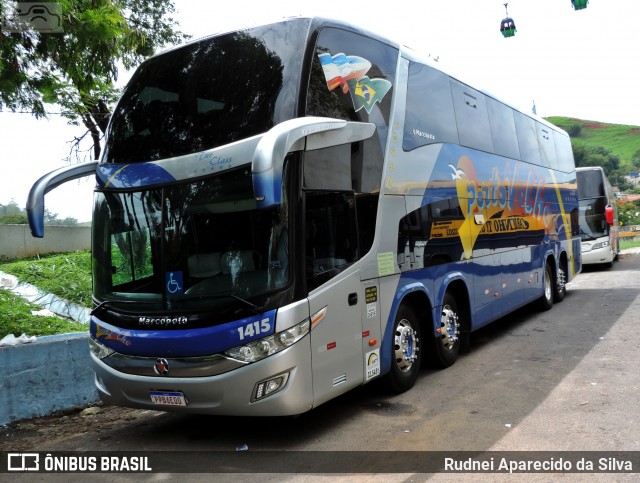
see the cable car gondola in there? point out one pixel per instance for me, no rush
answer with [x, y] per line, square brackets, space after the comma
[507, 25]
[579, 4]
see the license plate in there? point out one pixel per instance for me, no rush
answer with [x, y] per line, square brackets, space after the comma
[168, 398]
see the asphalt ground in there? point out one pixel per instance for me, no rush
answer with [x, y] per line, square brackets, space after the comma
[593, 408]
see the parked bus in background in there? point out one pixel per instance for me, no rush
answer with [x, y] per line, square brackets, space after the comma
[598, 217]
[289, 211]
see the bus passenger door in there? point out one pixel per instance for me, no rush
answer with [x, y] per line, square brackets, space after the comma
[336, 339]
[336, 293]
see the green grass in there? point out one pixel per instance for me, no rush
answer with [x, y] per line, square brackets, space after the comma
[620, 139]
[66, 275]
[16, 319]
[624, 243]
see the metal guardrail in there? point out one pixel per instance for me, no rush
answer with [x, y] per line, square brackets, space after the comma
[629, 231]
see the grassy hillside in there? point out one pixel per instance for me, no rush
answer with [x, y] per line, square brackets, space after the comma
[620, 139]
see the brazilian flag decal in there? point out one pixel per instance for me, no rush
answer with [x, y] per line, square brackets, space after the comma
[366, 92]
[348, 72]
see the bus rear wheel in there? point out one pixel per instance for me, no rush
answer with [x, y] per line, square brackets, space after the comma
[545, 302]
[405, 351]
[560, 287]
[447, 338]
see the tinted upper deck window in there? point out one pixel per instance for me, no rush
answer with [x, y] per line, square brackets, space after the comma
[429, 116]
[527, 138]
[590, 184]
[472, 118]
[207, 94]
[503, 129]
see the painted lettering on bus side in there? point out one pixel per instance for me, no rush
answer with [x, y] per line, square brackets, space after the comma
[505, 193]
[215, 161]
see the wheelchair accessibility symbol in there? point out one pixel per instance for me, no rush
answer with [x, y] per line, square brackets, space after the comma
[174, 283]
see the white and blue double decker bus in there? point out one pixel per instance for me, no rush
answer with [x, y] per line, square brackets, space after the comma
[286, 212]
[598, 217]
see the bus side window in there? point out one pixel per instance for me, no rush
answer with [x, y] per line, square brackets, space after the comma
[547, 149]
[471, 116]
[527, 138]
[429, 114]
[331, 240]
[564, 152]
[503, 129]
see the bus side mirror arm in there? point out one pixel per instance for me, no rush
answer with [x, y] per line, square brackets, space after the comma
[35, 201]
[268, 158]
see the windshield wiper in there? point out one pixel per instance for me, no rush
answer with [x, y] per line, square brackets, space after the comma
[107, 302]
[586, 236]
[256, 308]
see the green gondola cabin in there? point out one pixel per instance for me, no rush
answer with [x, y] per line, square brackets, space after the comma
[579, 4]
[508, 27]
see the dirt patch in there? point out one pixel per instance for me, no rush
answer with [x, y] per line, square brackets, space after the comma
[48, 431]
[594, 125]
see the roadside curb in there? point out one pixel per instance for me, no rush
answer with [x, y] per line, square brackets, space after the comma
[45, 376]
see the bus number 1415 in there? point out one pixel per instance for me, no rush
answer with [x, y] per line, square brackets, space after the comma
[254, 328]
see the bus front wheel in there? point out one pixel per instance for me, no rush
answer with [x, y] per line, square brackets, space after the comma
[405, 351]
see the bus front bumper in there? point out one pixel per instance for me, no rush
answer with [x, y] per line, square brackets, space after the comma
[239, 392]
[596, 252]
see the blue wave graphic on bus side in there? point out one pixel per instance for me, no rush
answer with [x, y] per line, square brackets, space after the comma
[183, 342]
[477, 206]
[131, 175]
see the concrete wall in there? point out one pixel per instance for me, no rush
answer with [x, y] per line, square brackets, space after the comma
[45, 376]
[16, 240]
[53, 373]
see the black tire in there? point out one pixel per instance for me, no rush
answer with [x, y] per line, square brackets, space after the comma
[560, 287]
[406, 351]
[446, 343]
[545, 302]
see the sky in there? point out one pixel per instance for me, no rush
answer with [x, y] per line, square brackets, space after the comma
[583, 64]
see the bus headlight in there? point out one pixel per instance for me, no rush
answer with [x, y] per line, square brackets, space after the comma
[600, 245]
[99, 350]
[259, 349]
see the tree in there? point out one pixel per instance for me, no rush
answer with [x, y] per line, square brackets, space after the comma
[12, 214]
[596, 156]
[76, 69]
[635, 159]
[575, 130]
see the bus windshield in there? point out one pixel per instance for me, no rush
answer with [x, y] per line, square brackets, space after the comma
[197, 244]
[207, 94]
[593, 202]
[593, 222]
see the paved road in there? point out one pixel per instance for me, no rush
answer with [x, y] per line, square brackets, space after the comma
[562, 380]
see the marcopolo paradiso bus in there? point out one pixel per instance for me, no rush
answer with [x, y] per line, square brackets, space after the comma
[289, 211]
